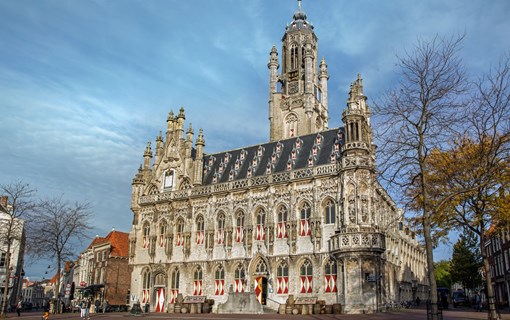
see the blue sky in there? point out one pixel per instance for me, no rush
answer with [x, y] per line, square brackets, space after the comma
[85, 84]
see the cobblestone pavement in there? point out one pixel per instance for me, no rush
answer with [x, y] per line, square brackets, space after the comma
[407, 314]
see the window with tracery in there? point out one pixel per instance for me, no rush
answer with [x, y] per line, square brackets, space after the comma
[146, 285]
[162, 234]
[329, 212]
[261, 221]
[305, 214]
[179, 239]
[220, 235]
[330, 276]
[146, 234]
[240, 226]
[306, 277]
[282, 223]
[282, 278]
[239, 279]
[174, 285]
[219, 281]
[200, 230]
[197, 281]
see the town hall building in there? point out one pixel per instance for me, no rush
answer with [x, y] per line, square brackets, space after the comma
[301, 215]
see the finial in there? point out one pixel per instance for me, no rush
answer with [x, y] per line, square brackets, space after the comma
[299, 5]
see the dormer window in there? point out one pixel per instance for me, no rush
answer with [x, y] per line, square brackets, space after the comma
[231, 175]
[211, 160]
[243, 155]
[248, 174]
[255, 162]
[220, 169]
[289, 165]
[293, 154]
[215, 178]
[260, 151]
[315, 150]
[318, 139]
[337, 146]
[274, 158]
[226, 158]
[333, 157]
[299, 143]
[168, 182]
[310, 161]
[237, 164]
[268, 168]
[279, 147]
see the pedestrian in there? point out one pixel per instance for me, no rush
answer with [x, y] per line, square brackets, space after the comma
[19, 306]
[46, 314]
[104, 305]
[417, 301]
[83, 309]
[478, 302]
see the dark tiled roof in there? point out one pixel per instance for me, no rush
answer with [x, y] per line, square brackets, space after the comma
[223, 164]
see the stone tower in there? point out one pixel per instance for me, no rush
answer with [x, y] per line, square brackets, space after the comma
[298, 99]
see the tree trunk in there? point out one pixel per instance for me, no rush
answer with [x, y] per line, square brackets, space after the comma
[490, 290]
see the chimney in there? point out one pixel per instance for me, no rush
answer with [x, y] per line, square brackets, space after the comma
[4, 202]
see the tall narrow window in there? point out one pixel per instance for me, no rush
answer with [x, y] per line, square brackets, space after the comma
[329, 212]
[240, 226]
[221, 229]
[261, 221]
[330, 277]
[219, 281]
[239, 279]
[305, 220]
[282, 278]
[200, 230]
[180, 233]
[197, 282]
[174, 286]
[169, 179]
[282, 222]
[162, 234]
[146, 285]
[146, 233]
[306, 275]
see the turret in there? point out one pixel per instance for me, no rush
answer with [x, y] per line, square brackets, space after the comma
[323, 80]
[147, 156]
[170, 126]
[200, 143]
[159, 149]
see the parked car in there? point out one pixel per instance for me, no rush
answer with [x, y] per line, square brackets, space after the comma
[459, 299]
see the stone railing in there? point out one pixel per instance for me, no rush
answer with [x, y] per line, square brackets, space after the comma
[279, 177]
[357, 241]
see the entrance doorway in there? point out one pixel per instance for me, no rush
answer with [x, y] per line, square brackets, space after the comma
[261, 289]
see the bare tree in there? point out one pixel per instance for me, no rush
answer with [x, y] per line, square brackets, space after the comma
[20, 202]
[480, 164]
[417, 117]
[54, 230]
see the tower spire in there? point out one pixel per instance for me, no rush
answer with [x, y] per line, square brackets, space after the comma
[299, 5]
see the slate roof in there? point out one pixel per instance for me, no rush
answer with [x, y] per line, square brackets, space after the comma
[221, 167]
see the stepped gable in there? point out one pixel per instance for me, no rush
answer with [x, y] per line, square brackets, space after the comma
[329, 138]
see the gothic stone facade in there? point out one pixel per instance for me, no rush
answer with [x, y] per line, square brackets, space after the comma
[301, 215]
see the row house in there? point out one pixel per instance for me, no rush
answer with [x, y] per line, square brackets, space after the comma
[102, 273]
[498, 251]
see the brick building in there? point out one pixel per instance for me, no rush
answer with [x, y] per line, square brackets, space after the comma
[102, 272]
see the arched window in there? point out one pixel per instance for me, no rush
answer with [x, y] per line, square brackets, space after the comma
[162, 234]
[305, 220]
[261, 221]
[282, 278]
[221, 228]
[282, 222]
[146, 285]
[306, 276]
[174, 285]
[169, 179]
[294, 59]
[219, 281]
[180, 233]
[330, 276]
[329, 212]
[200, 230]
[239, 226]
[197, 281]
[239, 279]
[146, 233]
[291, 121]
